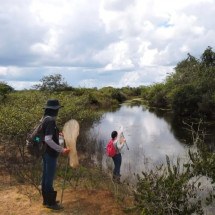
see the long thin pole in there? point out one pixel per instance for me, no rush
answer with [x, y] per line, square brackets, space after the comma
[125, 141]
[122, 135]
[64, 180]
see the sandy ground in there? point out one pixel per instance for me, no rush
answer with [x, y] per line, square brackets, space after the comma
[24, 200]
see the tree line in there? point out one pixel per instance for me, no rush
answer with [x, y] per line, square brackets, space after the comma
[189, 90]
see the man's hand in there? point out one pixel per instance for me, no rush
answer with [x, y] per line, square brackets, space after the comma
[65, 151]
[122, 140]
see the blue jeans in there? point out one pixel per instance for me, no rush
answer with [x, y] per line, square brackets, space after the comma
[117, 159]
[49, 170]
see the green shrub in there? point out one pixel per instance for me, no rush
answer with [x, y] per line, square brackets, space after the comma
[189, 91]
[156, 95]
[118, 95]
[4, 90]
[53, 83]
[166, 191]
[185, 101]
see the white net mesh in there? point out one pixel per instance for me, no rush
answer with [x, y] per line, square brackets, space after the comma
[70, 133]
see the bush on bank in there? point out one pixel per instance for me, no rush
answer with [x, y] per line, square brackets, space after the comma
[190, 90]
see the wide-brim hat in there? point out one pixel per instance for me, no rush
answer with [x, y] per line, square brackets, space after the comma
[53, 104]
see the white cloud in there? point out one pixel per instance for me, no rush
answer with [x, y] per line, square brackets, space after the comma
[130, 78]
[88, 83]
[20, 85]
[107, 38]
[13, 71]
[119, 56]
[3, 71]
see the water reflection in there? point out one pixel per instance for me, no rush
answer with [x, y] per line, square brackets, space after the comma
[150, 139]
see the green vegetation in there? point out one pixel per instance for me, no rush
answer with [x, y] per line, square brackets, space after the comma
[190, 90]
[52, 83]
[21, 110]
[178, 188]
[167, 191]
[4, 90]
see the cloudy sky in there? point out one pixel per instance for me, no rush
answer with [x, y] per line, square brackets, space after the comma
[97, 43]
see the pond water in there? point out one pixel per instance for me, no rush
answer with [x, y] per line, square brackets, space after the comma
[150, 138]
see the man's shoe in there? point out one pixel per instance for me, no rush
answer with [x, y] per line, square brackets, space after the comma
[116, 179]
[50, 201]
[44, 203]
[54, 207]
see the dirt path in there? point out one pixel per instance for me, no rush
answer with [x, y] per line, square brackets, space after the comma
[16, 201]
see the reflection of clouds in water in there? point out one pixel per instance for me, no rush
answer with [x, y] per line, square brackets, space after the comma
[149, 137]
[151, 125]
